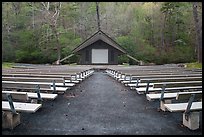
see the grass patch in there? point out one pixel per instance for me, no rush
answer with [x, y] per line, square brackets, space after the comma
[7, 65]
[194, 65]
[73, 64]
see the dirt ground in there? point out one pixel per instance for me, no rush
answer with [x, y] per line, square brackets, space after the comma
[101, 106]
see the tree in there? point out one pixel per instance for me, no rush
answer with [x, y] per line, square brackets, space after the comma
[198, 31]
[51, 13]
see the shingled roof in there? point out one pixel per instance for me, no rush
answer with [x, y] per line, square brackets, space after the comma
[99, 35]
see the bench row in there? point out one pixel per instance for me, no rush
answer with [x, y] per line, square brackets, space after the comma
[165, 88]
[30, 102]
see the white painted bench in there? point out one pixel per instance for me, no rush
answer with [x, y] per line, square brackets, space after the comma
[170, 79]
[11, 115]
[15, 94]
[192, 120]
[38, 83]
[44, 86]
[177, 84]
[166, 98]
[166, 76]
[21, 107]
[142, 90]
[190, 110]
[180, 107]
[156, 96]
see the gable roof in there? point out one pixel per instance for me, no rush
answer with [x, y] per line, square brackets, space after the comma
[99, 35]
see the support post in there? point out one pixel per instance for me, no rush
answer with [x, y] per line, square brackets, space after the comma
[9, 98]
[162, 92]
[191, 119]
[147, 88]
[187, 111]
[64, 81]
[39, 100]
[137, 83]
[54, 87]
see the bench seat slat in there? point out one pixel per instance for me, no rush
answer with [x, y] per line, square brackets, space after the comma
[169, 95]
[157, 96]
[180, 107]
[21, 107]
[151, 89]
[34, 95]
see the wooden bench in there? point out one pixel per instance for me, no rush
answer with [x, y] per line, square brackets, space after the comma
[44, 86]
[167, 98]
[130, 77]
[156, 96]
[170, 79]
[21, 107]
[165, 76]
[10, 111]
[190, 112]
[39, 79]
[19, 95]
[151, 80]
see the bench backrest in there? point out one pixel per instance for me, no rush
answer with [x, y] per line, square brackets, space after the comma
[178, 84]
[21, 96]
[186, 95]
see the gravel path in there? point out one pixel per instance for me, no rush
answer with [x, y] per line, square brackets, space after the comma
[100, 105]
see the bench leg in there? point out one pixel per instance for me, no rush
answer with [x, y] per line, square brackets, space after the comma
[10, 120]
[193, 120]
[166, 101]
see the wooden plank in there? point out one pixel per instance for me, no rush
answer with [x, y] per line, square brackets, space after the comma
[21, 107]
[32, 83]
[43, 95]
[165, 76]
[176, 79]
[178, 84]
[33, 95]
[129, 81]
[158, 95]
[172, 89]
[70, 81]
[170, 95]
[140, 84]
[186, 96]
[33, 79]
[62, 85]
[37, 75]
[34, 88]
[180, 107]
[19, 96]
[62, 89]
[9, 84]
[38, 83]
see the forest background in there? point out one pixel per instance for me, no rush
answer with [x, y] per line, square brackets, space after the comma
[154, 32]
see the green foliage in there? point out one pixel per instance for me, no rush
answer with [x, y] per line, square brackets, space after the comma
[145, 52]
[149, 31]
[123, 59]
[194, 65]
[7, 65]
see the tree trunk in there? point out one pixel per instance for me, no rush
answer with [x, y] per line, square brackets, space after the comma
[98, 19]
[58, 45]
[198, 32]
